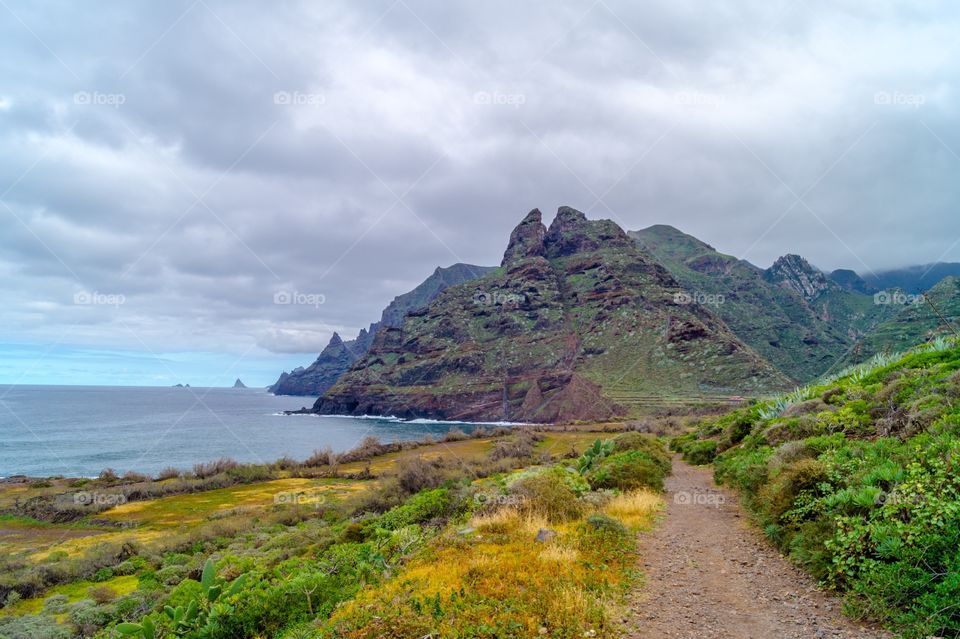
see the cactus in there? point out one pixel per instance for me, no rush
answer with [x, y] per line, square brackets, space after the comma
[198, 615]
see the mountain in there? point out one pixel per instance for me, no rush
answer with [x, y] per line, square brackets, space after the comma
[576, 324]
[849, 281]
[792, 314]
[919, 318]
[339, 355]
[914, 279]
[239, 384]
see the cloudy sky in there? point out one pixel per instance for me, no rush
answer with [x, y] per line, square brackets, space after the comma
[170, 170]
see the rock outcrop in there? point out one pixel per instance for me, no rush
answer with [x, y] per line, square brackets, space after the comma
[798, 274]
[576, 319]
[337, 357]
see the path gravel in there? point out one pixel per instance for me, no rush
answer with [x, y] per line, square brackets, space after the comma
[709, 574]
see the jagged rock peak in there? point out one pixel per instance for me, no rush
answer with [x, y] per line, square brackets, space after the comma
[335, 340]
[797, 273]
[571, 232]
[526, 240]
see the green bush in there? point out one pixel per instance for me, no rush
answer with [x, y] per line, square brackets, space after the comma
[646, 443]
[420, 508]
[627, 471]
[549, 494]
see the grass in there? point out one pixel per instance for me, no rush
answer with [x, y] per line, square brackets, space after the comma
[74, 592]
[153, 520]
[497, 581]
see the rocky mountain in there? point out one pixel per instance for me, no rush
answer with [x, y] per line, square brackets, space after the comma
[339, 355]
[239, 384]
[918, 318]
[792, 314]
[577, 323]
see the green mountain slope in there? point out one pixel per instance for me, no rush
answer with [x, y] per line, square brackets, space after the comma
[791, 314]
[917, 320]
[577, 323]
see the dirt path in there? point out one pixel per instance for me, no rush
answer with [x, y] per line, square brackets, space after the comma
[710, 575]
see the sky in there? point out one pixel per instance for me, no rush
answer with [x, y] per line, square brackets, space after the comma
[194, 191]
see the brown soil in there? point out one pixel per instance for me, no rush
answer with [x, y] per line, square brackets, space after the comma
[710, 574]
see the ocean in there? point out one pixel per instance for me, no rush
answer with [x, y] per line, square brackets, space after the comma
[77, 431]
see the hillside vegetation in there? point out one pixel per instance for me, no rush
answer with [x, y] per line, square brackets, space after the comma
[857, 479]
[512, 534]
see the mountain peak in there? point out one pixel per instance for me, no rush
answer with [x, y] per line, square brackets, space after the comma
[796, 272]
[526, 240]
[571, 232]
[335, 340]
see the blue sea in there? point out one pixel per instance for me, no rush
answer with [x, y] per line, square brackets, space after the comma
[77, 431]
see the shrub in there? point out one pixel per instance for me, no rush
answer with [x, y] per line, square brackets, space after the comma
[420, 508]
[700, 452]
[323, 457]
[548, 494]
[32, 627]
[172, 575]
[368, 448]
[648, 444]
[520, 446]
[606, 524]
[56, 604]
[777, 497]
[627, 471]
[209, 469]
[416, 474]
[168, 473]
[89, 617]
[104, 574]
[455, 435]
[102, 594]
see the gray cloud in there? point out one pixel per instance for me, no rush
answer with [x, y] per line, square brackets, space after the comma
[200, 158]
